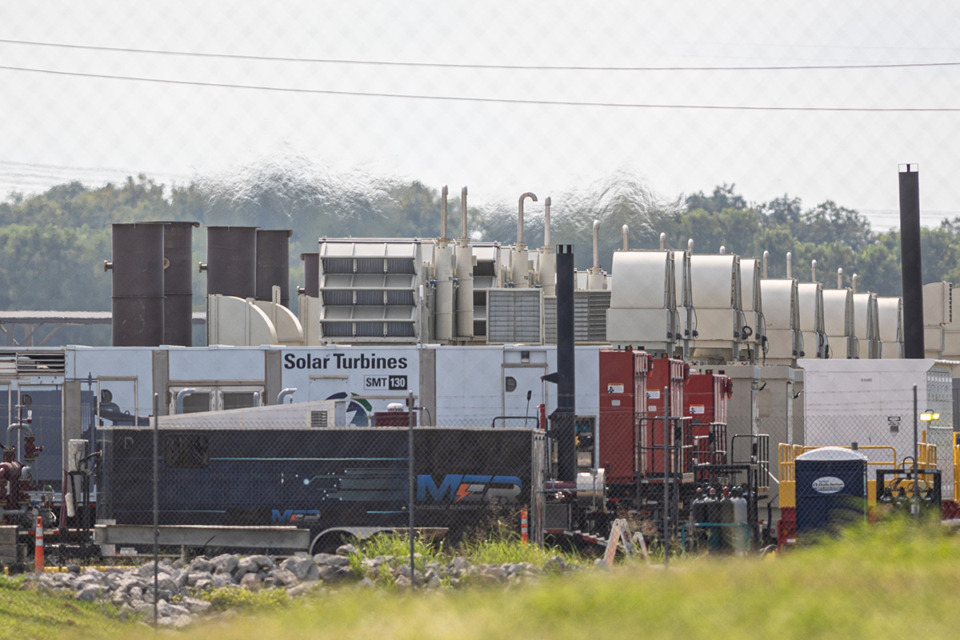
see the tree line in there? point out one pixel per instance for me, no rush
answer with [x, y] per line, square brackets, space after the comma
[53, 244]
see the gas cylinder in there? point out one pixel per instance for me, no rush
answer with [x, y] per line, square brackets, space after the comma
[726, 518]
[698, 511]
[740, 534]
[712, 512]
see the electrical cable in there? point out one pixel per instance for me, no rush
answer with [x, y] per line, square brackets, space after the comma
[505, 67]
[517, 101]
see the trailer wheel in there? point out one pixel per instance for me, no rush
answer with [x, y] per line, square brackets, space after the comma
[329, 542]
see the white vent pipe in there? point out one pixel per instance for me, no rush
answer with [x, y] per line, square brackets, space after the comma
[853, 282]
[464, 236]
[766, 264]
[840, 278]
[789, 264]
[443, 212]
[596, 244]
[663, 241]
[813, 270]
[523, 197]
[626, 237]
[546, 221]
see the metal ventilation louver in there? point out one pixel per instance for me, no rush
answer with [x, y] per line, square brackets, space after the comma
[589, 317]
[15, 364]
[514, 316]
[319, 419]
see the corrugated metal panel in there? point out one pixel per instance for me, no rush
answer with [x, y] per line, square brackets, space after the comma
[514, 315]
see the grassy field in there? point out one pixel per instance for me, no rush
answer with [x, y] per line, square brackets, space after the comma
[873, 583]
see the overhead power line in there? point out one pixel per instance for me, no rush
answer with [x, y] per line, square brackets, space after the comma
[525, 101]
[453, 65]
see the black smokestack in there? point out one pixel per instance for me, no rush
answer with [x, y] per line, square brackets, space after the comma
[564, 427]
[911, 271]
[566, 387]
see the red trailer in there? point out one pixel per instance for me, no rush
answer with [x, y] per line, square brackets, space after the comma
[705, 404]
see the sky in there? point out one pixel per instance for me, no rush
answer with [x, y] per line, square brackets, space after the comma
[502, 96]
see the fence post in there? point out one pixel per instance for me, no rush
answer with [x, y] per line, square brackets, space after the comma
[156, 506]
[411, 482]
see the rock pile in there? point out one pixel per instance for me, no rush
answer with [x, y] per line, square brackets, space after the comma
[179, 583]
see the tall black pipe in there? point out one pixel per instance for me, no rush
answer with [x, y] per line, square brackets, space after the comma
[911, 266]
[563, 425]
[566, 388]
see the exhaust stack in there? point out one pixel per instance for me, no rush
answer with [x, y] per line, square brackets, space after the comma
[911, 274]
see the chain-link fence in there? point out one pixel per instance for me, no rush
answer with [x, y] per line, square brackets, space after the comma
[252, 476]
[281, 479]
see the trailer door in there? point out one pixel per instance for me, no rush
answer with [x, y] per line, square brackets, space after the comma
[521, 391]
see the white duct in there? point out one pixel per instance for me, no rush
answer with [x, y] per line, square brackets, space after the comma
[663, 241]
[625, 230]
[853, 283]
[840, 278]
[789, 265]
[766, 264]
[813, 271]
[690, 246]
[548, 259]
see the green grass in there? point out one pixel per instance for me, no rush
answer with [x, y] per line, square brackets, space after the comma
[28, 614]
[493, 550]
[895, 580]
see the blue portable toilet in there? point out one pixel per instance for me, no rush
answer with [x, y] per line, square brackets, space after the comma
[831, 487]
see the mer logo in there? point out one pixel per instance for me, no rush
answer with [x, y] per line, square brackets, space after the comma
[293, 516]
[469, 488]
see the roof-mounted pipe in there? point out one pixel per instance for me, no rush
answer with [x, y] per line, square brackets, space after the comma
[464, 236]
[183, 393]
[289, 391]
[596, 244]
[723, 249]
[443, 211]
[840, 278]
[532, 196]
[766, 264]
[625, 230]
[690, 246]
[813, 271]
[789, 265]
[853, 282]
[663, 241]
[546, 221]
